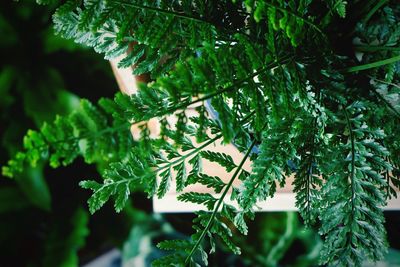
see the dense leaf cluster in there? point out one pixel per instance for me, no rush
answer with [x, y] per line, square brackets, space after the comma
[299, 87]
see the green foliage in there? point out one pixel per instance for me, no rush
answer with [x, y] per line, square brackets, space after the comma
[275, 150]
[62, 247]
[213, 182]
[35, 82]
[94, 25]
[351, 195]
[338, 6]
[221, 158]
[85, 133]
[200, 198]
[270, 246]
[288, 16]
[278, 83]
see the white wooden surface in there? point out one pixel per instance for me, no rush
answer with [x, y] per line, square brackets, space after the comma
[284, 199]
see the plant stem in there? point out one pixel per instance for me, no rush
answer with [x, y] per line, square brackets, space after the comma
[168, 165]
[373, 10]
[373, 64]
[385, 82]
[352, 171]
[310, 172]
[219, 203]
[212, 140]
[375, 48]
[163, 11]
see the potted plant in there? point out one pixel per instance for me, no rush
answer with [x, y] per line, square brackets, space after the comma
[311, 84]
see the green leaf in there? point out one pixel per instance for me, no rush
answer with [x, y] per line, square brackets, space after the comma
[221, 158]
[184, 245]
[33, 184]
[213, 182]
[375, 64]
[65, 240]
[341, 8]
[118, 179]
[12, 199]
[166, 177]
[199, 198]
[181, 176]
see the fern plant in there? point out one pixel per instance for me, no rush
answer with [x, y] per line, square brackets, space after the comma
[305, 87]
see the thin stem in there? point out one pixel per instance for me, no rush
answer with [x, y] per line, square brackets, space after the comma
[168, 165]
[385, 82]
[163, 11]
[363, 8]
[373, 10]
[375, 48]
[352, 172]
[387, 176]
[358, 12]
[220, 201]
[373, 64]
[310, 172]
[382, 98]
[179, 15]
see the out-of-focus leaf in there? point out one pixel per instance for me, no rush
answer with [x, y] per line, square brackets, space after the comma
[65, 240]
[7, 76]
[35, 188]
[54, 43]
[43, 104]
[11, 199]
[8, 36]
[137, 247]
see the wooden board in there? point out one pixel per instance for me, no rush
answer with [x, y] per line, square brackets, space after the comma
[284, 199]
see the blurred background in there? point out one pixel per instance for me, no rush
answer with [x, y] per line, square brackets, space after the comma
[44, 220]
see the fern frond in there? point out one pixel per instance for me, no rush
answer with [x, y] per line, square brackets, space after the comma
[85, 132]
[276, 80]
[288, 16]
[338, 7]
[199, 198]
[352, 197]
[156, 37]
[270, 166]
[213, 182]
[101, 193]
[119, 180]
[221, 158]
[174, 245]
[307, 182]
